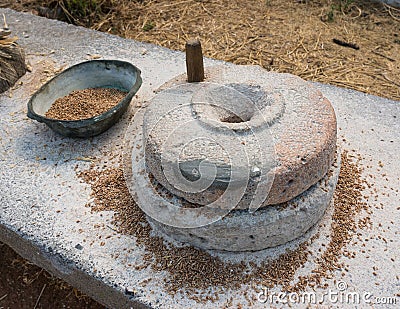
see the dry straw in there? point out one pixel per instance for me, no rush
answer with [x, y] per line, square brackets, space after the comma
[284, 36]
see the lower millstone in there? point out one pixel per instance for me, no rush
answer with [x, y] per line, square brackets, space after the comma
[267, 227]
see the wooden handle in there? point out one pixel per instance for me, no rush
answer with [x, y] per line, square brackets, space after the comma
[194, 61]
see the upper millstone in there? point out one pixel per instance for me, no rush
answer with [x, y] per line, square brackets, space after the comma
[262, 137]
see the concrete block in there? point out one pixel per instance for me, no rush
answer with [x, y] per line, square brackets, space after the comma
[42, 202]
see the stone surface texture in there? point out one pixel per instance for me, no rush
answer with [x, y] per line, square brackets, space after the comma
[283, 134]
[42, 202]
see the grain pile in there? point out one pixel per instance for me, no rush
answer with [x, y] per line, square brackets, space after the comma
[86, 103]
[196, 270]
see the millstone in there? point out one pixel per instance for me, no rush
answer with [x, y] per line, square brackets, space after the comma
[243, 130]
[241, 162]
[221, 229]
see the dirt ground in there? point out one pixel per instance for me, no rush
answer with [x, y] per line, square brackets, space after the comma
[24, 285]
[352, 44]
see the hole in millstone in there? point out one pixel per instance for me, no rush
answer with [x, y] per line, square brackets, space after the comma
[251, 236]
[232, 112]
[224, 103]
[233, 119]
[290, 182]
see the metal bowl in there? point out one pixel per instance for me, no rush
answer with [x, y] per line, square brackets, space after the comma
[90, 74]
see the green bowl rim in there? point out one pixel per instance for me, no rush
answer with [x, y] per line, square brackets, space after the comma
[86, 121]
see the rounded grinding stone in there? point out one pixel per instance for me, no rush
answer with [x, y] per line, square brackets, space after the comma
[240, 128]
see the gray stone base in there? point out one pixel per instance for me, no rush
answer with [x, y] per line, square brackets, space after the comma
[267, 227]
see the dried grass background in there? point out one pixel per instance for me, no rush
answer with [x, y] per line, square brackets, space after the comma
[280, 35]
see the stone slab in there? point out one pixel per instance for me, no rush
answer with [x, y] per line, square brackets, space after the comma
[42, 202]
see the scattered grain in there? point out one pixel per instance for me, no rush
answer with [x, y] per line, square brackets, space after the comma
[195, 270]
